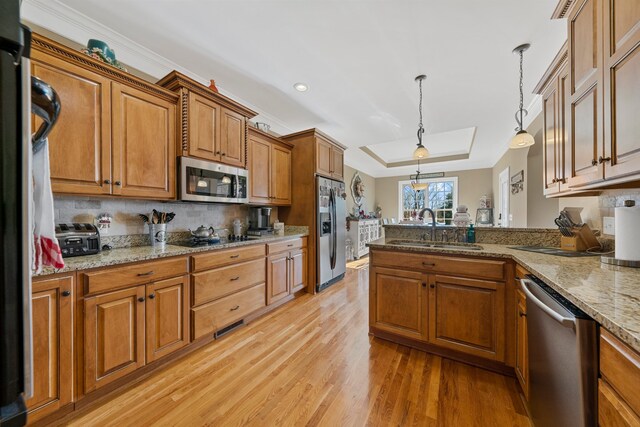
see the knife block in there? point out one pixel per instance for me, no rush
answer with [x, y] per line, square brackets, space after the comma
[582, 240]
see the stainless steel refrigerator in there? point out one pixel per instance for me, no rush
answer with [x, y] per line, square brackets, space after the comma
[332, 218]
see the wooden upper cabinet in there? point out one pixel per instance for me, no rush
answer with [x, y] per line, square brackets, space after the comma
[585, 29]
[52, 325]
[269, 167]
[324, 158]
[467, 315]
[232, 138]
[114, 342]
[143, 144]
[204, 118]
[398, 302]
[213, 126]
[550, 138]
[622, 87]
[167, 317]
[337, 163]
[80, 142]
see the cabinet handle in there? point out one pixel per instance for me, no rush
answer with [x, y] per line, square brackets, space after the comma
[152, 296]
[234, 256]
[235, 308]
[424, 284]
[603, 159]
[224, 154]
[66, 293]
[118, 183]
[432, 286]
[141, 299]
[217, 152]
[521, 314]
[233, 279]
[107, 181]
[594, 162]
[290, 245]
[148, 273]
[429, 264]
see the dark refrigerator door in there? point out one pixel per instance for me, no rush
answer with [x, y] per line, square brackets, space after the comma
[12, 379]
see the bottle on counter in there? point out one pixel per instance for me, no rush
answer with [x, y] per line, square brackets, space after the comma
[471, 234]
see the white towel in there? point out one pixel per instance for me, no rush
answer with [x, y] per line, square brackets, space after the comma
[46, 248]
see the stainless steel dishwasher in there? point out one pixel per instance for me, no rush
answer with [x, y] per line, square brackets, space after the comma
[563, 359]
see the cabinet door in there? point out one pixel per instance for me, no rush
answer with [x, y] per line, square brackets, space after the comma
[278, 282]
[550, 138]
[52, 327]
[585, 133]
[232, 137]
[143, 144]
[204, 118]
[113, 336]
[467, 315]
[167, 313]
[564, 157]
[323, 157]
[622, 87]
[80, 142]
[337, 163]
[398, 302]
[280, 175]
[298, 273]
[259, 170]
[522, 357]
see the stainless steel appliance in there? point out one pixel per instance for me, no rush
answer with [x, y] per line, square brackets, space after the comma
[204, 181]
[259, 219]
[563, 359]
[78, 239]
[20, 95]
[332, 230]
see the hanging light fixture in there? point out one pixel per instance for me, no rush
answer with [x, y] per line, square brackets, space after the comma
[415, 180]
[522, 138]
[421, 151]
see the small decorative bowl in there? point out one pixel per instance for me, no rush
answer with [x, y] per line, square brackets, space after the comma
[263, 126]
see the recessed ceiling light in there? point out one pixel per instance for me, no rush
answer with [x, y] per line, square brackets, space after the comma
[301, 87]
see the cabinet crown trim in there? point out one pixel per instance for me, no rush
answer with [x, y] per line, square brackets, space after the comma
[175, 81]
[313, 132]
[558, 62]
[561, 9]
[252, 131]
[58, 50]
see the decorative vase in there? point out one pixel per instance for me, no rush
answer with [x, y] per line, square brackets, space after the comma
[212, 86]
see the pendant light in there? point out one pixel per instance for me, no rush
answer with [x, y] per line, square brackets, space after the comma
[421, 151]
[522, 138]
[415, 180]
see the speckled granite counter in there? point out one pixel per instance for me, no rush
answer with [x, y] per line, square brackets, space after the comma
[144, 253]
[609, 294]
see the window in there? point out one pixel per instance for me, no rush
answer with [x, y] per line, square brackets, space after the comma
[441, 195]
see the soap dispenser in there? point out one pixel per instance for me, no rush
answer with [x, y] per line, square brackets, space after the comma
[471, 234]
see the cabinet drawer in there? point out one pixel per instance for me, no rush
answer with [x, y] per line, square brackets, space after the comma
[145, 272]
[477, 268]
[521, 272]
[211, 317]
[612, 410]
[213, 284]
[287, 245]
[228, 256]
[620, 367]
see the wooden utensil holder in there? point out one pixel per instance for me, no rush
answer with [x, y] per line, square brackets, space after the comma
[582, 240]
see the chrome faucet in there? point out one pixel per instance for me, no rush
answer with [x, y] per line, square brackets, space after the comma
[433, 223]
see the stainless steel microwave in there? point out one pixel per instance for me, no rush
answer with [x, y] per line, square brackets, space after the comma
[204, 181]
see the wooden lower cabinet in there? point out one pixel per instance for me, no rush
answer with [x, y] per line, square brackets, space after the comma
[167, 317]
[398, 302]
[286, 273]
[52, 307]
[613, 411]
[467, 315]
[522, 352]
[299, 268]
[114, 326]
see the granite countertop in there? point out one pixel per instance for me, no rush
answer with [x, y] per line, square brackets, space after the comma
[144, 253]
[501, 229]
[609, 294]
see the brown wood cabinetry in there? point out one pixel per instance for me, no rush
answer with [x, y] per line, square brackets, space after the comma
[278, 283]
[398, 302]
[52, 325]
[119, 129]
[269, 169]
[287, 266]
[213, 127]
[522, 351]
[467, 315]
[329, 159]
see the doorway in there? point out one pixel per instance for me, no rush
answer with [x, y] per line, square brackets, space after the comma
[503, 198]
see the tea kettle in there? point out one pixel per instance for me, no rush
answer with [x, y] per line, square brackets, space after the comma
[202, 232]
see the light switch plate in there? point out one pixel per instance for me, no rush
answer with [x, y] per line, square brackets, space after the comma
[608, 225]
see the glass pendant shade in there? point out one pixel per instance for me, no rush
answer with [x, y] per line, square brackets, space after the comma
[521, 139]
[419, 186]
[421, 152]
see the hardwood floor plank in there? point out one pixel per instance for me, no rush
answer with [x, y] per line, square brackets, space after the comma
[312, 363]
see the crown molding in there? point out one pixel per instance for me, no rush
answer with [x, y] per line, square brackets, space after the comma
[73, 25]
[561, 9]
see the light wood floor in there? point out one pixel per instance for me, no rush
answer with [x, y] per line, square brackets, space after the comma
[312, 363]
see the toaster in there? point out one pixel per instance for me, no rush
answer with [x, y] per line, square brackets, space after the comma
[78, 239]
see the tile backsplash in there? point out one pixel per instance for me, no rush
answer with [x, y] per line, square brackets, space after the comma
[125, 214]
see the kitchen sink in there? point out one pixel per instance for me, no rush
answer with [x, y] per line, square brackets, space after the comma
[436, 245]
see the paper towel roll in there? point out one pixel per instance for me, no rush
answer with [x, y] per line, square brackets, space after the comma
[627, 222]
